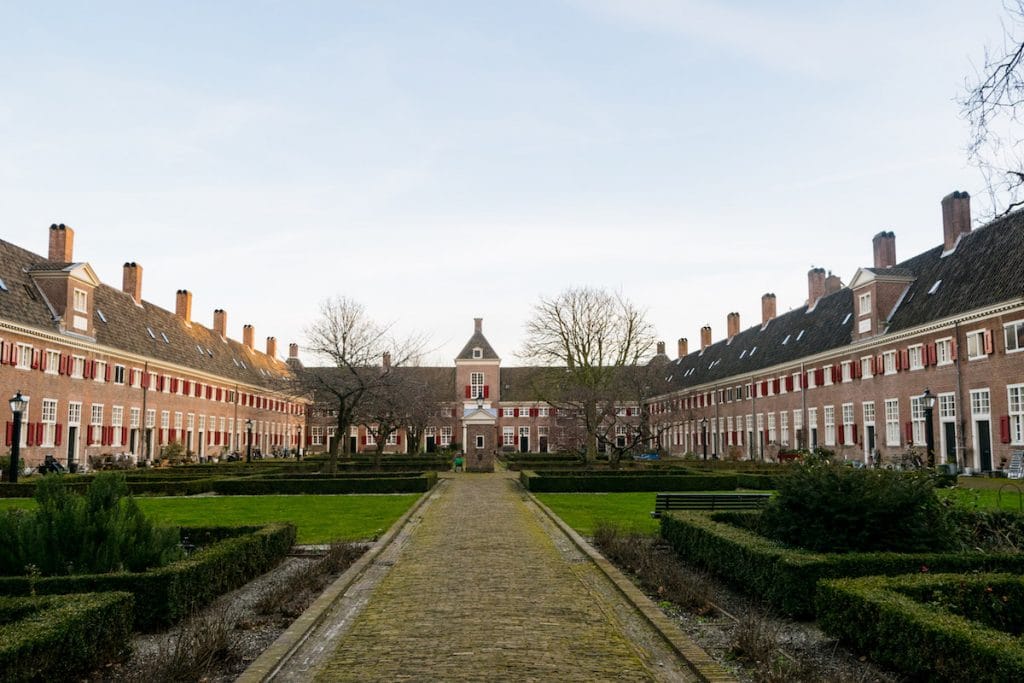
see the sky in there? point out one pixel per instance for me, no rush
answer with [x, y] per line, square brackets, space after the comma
[446, 160]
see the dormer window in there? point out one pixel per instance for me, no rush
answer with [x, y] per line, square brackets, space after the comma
[478, 352]
[81, 301]
[865, 303]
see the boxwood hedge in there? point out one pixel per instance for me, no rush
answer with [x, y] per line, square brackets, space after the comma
[907, 623]
[165, 594]
[619, 481]
[786, 577]
[326, 485]
[57, 638]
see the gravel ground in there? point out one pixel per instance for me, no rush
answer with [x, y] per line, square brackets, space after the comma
[233, 621]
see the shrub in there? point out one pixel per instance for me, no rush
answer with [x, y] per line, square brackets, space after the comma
[62, 637]
[327, 485]
[912, 623]
[102, 531]
[591, 482]
[832, 508]
[786, 577]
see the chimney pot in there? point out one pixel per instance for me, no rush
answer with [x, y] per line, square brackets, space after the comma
[684, 346]
[249, 336]
[705, 337]
[220, 322]
[272, 347]
[62, 243]
[768, 310]
[956, 218]
[884, 246]
[131, 283]
[293, 350]
[183, 305]
[732, 324]
[661, 348]
[478, 325]
[832, 284]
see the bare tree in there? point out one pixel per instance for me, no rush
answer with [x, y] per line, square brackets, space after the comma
[354, 347]
[587, 339]
[992, 106]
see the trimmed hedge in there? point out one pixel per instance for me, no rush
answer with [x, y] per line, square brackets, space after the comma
[326, 485]
[786, 577]
[613, 482]
[164, 595]
[62, 637]
[170, 486]
[758, 481]
[898, 622]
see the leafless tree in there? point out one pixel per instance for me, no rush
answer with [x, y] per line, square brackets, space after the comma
[587, 340]
[353, 345]
[994, 107]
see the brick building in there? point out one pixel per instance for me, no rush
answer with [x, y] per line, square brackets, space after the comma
[848, 370]
[107, 372]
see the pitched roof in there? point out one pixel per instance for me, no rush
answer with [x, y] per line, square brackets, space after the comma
[126, 326]
[478, 340]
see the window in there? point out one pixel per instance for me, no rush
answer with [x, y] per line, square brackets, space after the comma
[478, 352]
[392, 439]
[869, 412]
[446, 436]
[797, 382]
[830, 425]
[892, 422]
[81, 301]
[49, 421]
[177, 421]
[943, 351]
[74, 413]
[118, 374]
[101, 371]
[847, 370]
[865, 367]
[134, 417]
[914, 354]
[96, 415]
[52, 362]
[812, 418]
[976, 344]
[476, 384]
[849, 435]
[980, 402]
[151, 419]
[864, 304]
[78, 367]
[165, 419]
[947, 406]
[810, 378]
[771, 428]
[24, 356]
[508, 412]
[117, 421]
[1015, 399]
[316, 435]
[798, 420]
[479, 440]
[1014, 336]
[543, 412]
[889, 361]
[508, 436]
[784, 428]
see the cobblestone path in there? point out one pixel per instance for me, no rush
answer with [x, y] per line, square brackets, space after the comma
[481, 592]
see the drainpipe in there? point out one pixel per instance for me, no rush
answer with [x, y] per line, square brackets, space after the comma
[961, 406]
[803, 406]
[752, 428]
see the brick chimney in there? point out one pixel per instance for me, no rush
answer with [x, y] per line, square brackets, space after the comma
[478, 325]
[183, 305]
[293, 350]
[832, 284]
[815, 285]
[661, 348]
[249, 336]
[705, 337]
[956, 218]
[62, 243]
[684, 347]
[767, 308]
[220, 322]
[131, 283]
[386, 360]
[732, 324]
[272, 347]
[884, 244]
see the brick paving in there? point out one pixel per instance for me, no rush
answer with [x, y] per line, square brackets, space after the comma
[481, 591]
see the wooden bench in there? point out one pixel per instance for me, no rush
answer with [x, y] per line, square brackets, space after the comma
[708, 501]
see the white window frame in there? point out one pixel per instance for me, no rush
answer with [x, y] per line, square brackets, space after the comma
[508, 436]
[916, 357]
[52, 362]
[849, 438]
[49, 420]
[917, 419]
[976, 345]
[944, 351]
[889, 362]
[24, 361]
[1015, 410]
[783, 427]
[476, 385]
[830, 425]
[1017, 327]
[864, 304]
[865, 367]
[74, 413]
[80, 300]
[892, 422]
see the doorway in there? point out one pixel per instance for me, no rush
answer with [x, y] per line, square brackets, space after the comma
[949, 441]
[869, 440]
[981, 428]
[431, 444]
[543, 444]
[72, 448]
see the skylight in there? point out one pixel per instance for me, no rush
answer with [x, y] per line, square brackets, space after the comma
[200, 349]
[935, 287]
[753, 351]
[100, 314]
[3, 285]
[800, 335]
[786, 340]
[164, 335]
[743, 353]
[209, 352]
[151, 333]
[847, 318]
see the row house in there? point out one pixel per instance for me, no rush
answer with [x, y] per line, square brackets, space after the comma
[489, 408]
[849, 369]
[107, 372]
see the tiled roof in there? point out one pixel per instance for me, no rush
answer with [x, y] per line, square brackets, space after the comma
[986, 268]
[519, 384]
[125, 326]
[787, 338]
[478, 340]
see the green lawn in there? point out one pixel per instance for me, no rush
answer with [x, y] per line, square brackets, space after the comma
[984, 497]
[320, 519]
[583, 511]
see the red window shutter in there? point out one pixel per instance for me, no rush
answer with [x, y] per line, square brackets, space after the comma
[106, 375]
[905, 359]
[35, 359]
[468, 392]
[62, 365]
[789, 383]
[953, 350]
[775, 385]
[30, 434]
[908, 431]
[209, 392]
[174, 434]
[533, 412]
[554, 412]
[42, 360]
[1004, 428]
[487, 391]
[842, 434]
[220, 394]
[88, 435]
[362, 441]
[989, 345]
[10, 433]
[398, 439]
[58, 433]
[124, 435]
[515, 412]
[803, 381]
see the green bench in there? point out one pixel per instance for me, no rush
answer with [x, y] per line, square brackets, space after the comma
[664, 502]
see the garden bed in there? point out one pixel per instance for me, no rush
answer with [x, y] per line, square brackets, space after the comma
[325, 484]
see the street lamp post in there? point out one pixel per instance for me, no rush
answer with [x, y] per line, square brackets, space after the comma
[929, 438]
[704, 435]
[248, 440]
[19, 404]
